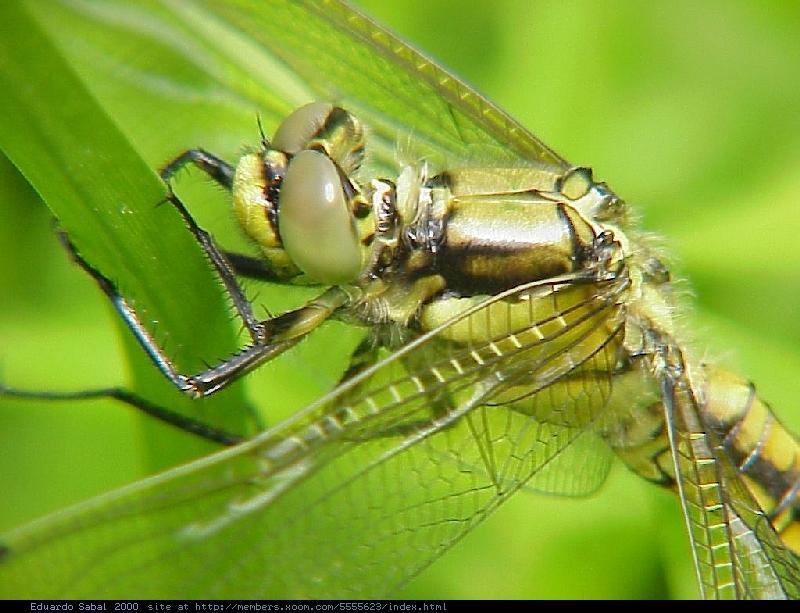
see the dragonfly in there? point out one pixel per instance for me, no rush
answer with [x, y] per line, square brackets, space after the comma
[474, 423]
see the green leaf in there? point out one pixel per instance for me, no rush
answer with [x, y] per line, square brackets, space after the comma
[102, 94]
[106, 197]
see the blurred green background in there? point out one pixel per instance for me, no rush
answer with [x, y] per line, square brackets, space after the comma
[689, 110]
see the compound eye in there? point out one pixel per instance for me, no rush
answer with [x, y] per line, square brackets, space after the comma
[316, 227]
[301, 126]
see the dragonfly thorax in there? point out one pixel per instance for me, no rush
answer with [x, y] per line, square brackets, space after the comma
[478, 230]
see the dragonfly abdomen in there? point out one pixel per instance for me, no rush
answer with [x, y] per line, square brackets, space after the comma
[764, 453]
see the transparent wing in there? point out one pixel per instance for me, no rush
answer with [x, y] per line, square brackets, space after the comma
[765, 568]
[736, 550]
[343, 55]
[242, 57]
[360, 491]
[577, 470]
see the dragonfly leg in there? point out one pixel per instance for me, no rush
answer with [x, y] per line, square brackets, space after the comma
[250, 266]
[275, 336]
[136, 401]
[364, 356]
[221, 172]
[224, 269]
[214, 167]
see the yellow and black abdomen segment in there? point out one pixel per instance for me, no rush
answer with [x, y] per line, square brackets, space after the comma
[496, 242]
[765, 454]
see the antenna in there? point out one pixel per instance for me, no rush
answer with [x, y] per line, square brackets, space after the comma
[264, 141]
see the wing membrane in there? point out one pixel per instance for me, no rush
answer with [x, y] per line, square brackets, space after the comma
[291, 53]
[355, 494]
[765, 567]
[737, 552]
[345, 56]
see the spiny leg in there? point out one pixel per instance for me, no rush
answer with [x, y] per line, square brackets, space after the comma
[222, 173]
[250, 266]
[278, 334]
[363, 356]
[226, 263]
[136, 401]
[286, 330]
[270, 337]
[216, 168]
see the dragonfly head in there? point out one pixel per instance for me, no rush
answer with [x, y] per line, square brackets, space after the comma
[296, 199]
